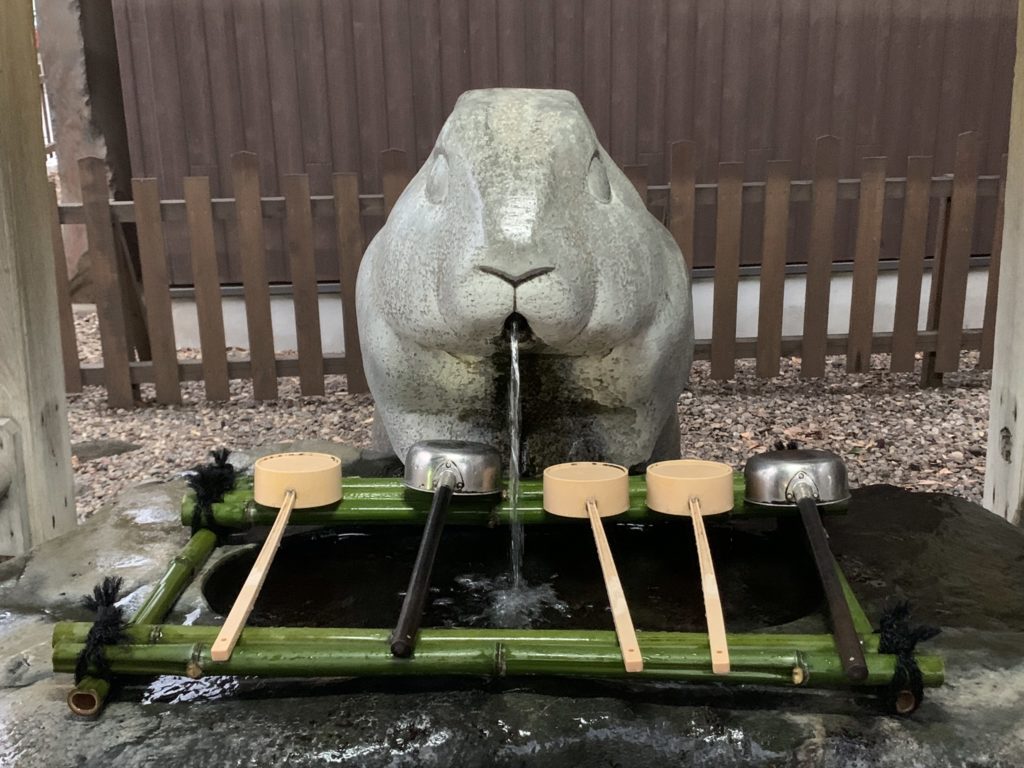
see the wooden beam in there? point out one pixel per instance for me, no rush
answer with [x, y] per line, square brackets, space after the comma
[372, 205]
[34, 443]
[1004, 467]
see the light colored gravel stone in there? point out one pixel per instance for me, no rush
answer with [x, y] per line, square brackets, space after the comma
[887, 428]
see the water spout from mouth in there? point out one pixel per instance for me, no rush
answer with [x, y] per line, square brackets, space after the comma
[514, 328]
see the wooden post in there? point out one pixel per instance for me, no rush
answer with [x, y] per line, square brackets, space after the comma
[1004, 468]
[34, 446]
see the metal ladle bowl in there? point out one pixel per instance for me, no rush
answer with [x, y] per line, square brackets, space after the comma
[776, 478]
[475, 468]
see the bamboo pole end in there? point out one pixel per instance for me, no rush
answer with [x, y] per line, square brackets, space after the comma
[88, 697]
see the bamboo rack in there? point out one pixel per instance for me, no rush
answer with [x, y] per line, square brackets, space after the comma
[154, 648]
[792, 659]
[385, 500]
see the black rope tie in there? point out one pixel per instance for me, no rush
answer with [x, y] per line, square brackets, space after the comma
[898, 637]
[108, 629]
[210, 482]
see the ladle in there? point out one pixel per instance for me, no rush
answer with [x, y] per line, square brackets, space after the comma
[595, 490]
[289, 481]
[811, 479]
[695, 488]
[445, 468]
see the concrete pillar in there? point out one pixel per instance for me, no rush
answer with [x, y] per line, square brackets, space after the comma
[1004, 471]
[34, 447]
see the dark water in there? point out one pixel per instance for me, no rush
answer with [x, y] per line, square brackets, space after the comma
[358, 579]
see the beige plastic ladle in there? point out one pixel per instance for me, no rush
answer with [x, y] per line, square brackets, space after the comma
[695, 488]
[594, 490]
[289, 481]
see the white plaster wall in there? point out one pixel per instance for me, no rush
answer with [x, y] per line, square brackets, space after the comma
[186, 326]
[282, 315]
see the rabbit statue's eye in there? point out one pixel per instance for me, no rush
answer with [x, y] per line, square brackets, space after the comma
[437, 180]
[597, 179]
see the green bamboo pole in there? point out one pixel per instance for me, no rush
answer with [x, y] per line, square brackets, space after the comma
[860, 620]
[369, 500]
[288, 652]
[75, 632]
[182, 569]
[89, 695]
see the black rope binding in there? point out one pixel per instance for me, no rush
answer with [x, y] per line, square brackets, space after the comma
[210, 482]
[108, 629]
[898, 637]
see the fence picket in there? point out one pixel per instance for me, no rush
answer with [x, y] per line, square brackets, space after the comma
[252, 251]
[865, 264]
[988, 332]
[821, 246]
[106, 283]
[299, 217]
[395, 176]
[66, 318]
[637, 175]
[350, 254]
[727, 269]
[156, 286]
[911, 267]
[958, 253]
[683, 197]
[773, 267]
[207, 287]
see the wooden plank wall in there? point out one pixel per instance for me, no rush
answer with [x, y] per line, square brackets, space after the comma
[323, 86]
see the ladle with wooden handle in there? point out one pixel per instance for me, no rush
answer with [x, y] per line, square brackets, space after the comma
[444, 468]
[288, 481]
[595, 490]
[811, 479]
[694, 488]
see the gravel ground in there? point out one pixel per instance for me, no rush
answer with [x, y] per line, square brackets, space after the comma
[886, 427]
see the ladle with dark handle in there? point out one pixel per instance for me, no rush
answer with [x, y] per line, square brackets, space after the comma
[809, 479]
[445, 468]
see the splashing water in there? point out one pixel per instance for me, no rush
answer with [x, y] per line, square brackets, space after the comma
[515, 416]
[494, 602]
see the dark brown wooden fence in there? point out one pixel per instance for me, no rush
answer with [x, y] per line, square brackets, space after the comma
[132, 356]
[318, 86]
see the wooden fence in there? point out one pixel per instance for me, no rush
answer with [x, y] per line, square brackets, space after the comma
[132, 356]
[315, 86]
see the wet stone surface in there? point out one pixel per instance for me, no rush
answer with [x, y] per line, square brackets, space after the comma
[960, 566]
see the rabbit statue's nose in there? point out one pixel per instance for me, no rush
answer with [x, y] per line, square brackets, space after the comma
[516, 280]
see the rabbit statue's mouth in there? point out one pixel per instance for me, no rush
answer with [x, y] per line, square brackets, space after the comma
[516, 324]
[528, 342]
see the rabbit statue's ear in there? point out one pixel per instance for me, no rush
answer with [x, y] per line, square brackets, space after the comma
[597, 179]
[437, 179]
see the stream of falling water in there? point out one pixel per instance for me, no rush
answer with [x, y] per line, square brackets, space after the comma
[515, 417]
[514, 602]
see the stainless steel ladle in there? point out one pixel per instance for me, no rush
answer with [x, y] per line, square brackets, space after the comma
[445, 468]
[809, 480]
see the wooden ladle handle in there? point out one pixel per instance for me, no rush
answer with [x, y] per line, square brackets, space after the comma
[712, 600]
[224, 645]
[628, 645]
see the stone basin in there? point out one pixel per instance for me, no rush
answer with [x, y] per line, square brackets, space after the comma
[961, 567]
